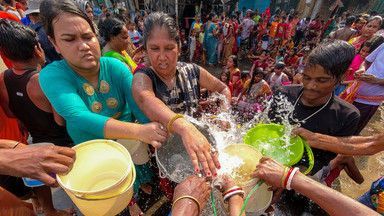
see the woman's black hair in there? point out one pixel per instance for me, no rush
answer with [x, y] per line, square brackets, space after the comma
[257, 71]
[244, 74]
[51, 9]
[228, 76]
[211, 15]
[334, 56]
[234, 59]
[373, 42]
[17, 41]
[111, 27]
[159, 20]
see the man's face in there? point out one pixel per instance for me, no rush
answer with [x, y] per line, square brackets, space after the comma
[317, 83]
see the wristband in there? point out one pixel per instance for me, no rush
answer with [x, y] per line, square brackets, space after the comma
[189, 197]
[229, 195]
[232, 188]
[284, 177]
[169, 126]
[291, 178]
[237, 189]
[14, 146]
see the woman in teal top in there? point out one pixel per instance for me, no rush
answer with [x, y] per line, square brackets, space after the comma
[93, 94]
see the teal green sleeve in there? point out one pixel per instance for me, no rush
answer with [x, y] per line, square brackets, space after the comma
[125, 77]
[60, 87]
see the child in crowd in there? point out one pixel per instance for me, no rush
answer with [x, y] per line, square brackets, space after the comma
[261, 62]
[257, 92]
[192, 45]
[233, 70]
[279, 56]
[201, 40]
[239, 85]
[225, 78]
[290, 62]
[273, 29]
[135, 35]
[255, 52]
[281, 28]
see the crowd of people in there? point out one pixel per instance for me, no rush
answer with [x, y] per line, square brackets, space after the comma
[74, 78]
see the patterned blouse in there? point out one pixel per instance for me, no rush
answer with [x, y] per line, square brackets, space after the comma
[185, 93]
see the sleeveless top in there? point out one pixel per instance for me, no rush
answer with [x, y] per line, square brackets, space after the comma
[39, 123]
[185, 94]
[277, 82]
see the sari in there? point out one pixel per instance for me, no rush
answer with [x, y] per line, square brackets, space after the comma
[209, 43]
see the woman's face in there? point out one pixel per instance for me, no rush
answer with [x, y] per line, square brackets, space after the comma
[121, 41]
[224, 77]
[214, 19]
[364, 52]
[162, 51]
[230, 63]
[76, 42]
[89, 12]
[258, 78]
[371, 28]
[291, 53]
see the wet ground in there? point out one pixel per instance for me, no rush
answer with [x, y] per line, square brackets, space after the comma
[371, 167]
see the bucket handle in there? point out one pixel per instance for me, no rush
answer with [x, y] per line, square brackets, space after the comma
[161, 168]
[82, 197]
[310, 157]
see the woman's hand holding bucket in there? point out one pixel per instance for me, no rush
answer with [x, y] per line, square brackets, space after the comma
[153, 133]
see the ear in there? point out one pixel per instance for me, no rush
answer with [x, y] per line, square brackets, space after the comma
[53, 42]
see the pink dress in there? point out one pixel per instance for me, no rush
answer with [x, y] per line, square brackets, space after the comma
[355, 66]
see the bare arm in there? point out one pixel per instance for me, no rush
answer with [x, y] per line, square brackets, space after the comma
[213, 84]
[353, 145]
[196, 144]
[333, 202]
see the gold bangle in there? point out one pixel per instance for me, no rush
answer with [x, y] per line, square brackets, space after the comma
[169, 126]
[189, 197]
[284, 176]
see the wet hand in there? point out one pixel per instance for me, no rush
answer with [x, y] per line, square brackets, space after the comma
[200, 150]
[307, 135]
[199, 188]
[153, 133]
[270, 171]
[223, 183]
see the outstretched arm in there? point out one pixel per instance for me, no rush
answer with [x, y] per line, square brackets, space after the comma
[353, 145]
[333, 202]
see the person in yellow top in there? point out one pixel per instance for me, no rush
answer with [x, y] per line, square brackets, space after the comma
[197, 23]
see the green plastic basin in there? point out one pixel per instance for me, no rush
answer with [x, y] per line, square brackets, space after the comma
[267, 138]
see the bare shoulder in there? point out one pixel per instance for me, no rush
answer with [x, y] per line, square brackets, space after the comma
[33, 87]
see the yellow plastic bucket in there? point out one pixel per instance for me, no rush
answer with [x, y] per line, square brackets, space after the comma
[102, 177]
[250, 156]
